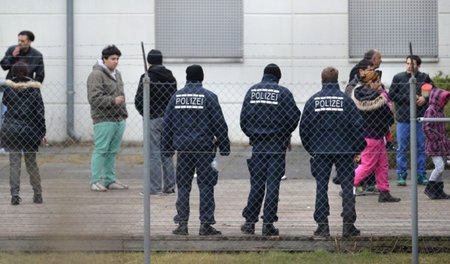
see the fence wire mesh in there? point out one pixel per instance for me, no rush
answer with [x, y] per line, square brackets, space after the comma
[301, 180]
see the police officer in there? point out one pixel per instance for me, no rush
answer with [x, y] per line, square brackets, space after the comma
[269, 115]
[193, 123]
[331, 130]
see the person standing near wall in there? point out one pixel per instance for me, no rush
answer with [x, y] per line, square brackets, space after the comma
[162, 86]
[108, 111]
[331, 130]
[399, 93]
[25, 53]
[268, 117]
[193, 125]
[23, 129]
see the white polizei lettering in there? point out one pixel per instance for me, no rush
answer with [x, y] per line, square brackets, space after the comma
[264, 96]
[329, 103]
[329, 109]
[189, 101]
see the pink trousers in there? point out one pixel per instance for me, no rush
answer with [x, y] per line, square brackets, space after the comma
[374, 158]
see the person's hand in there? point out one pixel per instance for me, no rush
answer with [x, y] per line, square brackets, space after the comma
[45, 141]
[420, 100]
[119, 100]
[16, 51]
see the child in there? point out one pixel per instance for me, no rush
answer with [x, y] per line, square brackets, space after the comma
[437, 144]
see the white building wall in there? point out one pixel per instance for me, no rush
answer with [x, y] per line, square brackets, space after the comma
[302, 37]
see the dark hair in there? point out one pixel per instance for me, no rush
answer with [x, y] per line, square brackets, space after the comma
[110, 50]
[330, 74]
[19, 69]
[415, 58]
[27, 33]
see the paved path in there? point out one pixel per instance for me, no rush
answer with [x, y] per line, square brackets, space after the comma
[74, 218]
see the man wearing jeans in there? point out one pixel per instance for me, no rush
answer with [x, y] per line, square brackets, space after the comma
[399, 93]
[108, 112]
[162, 86]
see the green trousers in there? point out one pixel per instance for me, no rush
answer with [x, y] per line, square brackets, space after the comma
[107, 139]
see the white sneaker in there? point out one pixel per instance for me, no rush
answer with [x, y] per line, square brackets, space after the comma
[117, 185]
[284, 177]
[98, 187]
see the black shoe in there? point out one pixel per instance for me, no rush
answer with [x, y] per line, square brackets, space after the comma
[248, 228]
[440, 191]
[181, 230]
[208, 230]
[169, 191]
[350, 230]
[336, 180]
[322, 230]
[270, 230]
[386, 197]
[15, 200]
[37, 198]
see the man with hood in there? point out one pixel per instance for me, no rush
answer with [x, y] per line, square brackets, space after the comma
[162, 86]
[194, 125]
[108, 111]
[268, 117]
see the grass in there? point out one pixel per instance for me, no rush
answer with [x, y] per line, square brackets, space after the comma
[222, 258]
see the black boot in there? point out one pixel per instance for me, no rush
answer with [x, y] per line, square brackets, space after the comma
[208, 230]
[270, 230]
[181, 230]
[322, 230]
[440, 191]
[386, 197]
[15, 200]
[248, 228]
[350, 230]
[37, 198]
[431, 190]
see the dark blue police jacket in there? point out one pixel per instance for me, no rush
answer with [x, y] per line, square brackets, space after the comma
[269, 113]
[331, 123]
[192, 119]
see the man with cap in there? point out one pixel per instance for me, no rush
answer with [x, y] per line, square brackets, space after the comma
[193, 125]
[162, 86]
[331, 130]
[268, 117]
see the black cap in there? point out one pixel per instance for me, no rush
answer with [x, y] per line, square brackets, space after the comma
[194, 73]
[273, 69]
[154, 57]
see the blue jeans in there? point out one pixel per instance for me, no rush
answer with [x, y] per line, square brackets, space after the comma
[107, 139]
[403, 134]
[167, 175]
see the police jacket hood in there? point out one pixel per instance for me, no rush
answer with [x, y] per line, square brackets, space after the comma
[162, 86]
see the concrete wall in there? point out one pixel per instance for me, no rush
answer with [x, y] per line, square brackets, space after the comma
[300, 36]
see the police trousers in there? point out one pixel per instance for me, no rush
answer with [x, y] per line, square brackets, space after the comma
[266, 170]
[321, 165]
[187, 164]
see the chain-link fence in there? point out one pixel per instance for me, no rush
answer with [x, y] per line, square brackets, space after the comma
[227, 158]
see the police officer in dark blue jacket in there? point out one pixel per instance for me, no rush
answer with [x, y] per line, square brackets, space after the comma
[331, 130]
[193, 125]
[269, 115]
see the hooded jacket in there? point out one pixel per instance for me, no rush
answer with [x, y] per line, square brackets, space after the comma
[374, 111]
[331, 123]
[437, 142]
[399, 93]
[24, 123]
[269, 114]
[102, 89]
[162, 86]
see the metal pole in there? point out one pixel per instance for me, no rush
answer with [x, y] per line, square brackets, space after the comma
[433, 119]
[413, 153]
[147, 152]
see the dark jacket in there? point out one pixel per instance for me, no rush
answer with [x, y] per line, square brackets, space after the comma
[269, 114]
[193, 121]
[399, 94]
[437, 141]
[33, 58]
[374, 110]
[24, 123]
[162, 86]
[331, 123]
[102, 89]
